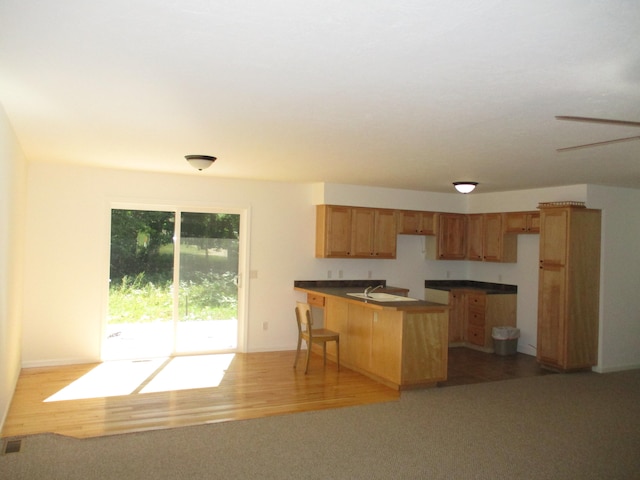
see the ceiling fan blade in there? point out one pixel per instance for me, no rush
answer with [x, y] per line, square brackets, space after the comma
[598, 144]
[624, 123]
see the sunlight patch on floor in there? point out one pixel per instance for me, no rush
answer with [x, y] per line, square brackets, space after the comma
[185, 373]
[109, 379]
[132, 377]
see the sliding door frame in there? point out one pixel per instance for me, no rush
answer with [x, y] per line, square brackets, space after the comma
[243, 257]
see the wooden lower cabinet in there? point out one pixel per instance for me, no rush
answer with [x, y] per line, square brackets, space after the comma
[398, 348]
[360, 335]
[473, 314]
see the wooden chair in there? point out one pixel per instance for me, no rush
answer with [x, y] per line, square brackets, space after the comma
[310, 335]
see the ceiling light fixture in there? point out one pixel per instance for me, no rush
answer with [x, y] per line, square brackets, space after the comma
[200, 161]
[465, 187]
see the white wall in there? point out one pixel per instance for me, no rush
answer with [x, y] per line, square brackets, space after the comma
[66, 274]
[12, 207]
[619, 341]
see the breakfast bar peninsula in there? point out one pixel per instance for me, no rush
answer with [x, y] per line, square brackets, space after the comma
[398, 341]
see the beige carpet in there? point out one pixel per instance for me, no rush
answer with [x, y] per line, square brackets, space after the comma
[577, 426]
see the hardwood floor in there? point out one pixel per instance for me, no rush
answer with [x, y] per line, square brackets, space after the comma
[252, 385]
[468, 366]
[89, 400]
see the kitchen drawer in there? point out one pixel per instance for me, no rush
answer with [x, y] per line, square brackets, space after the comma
[476, 316]
[314, 299]
[477, 300]
[475, 335]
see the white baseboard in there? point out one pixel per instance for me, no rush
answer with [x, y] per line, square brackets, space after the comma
[622, 368]
[59, 362]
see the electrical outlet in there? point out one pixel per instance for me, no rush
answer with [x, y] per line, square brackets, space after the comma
[265, 326]
[499, 278]
[328, 273]
[370, 274]
[339, 273]
[448, 274]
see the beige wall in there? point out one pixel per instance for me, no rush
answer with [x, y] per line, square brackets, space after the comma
[620, 277]
[12, 207]
[69, 207]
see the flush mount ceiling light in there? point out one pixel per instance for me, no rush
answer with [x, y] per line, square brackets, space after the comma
[465, 187]
[200, 161]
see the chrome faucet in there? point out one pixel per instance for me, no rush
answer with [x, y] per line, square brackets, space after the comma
[371, 289]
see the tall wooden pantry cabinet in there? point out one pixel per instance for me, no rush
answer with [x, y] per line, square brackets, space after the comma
[569, 287]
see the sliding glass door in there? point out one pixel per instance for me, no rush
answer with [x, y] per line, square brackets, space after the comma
[173, 286]
[208, 280]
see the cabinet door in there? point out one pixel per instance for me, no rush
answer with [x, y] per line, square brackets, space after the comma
[553, 238]
[385, 234]
[428, 223]
[416, 223]
[492, 238]
[522, 222]
[409, 222]
[533, 222]
[551, 314]
[451, 236]
[333, 231]
[362, 232]
[475, 235]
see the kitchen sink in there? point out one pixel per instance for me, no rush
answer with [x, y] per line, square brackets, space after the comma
[382, 297]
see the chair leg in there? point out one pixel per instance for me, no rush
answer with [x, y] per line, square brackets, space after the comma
[324, 352]
[295, 361]
[306, 368]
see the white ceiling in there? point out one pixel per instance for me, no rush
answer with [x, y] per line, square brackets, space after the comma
[408, 94]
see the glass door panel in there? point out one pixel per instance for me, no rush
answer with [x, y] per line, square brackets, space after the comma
[208, 293]
[140, 313]
[162, 303]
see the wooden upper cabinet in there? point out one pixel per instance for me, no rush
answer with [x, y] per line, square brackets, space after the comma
[486, 240]
[355, 232]
[412, 222]
[495, 247]
[451, 236]
[362, 232]
[333, 231]
[522, 222]
[475, 235]
[554, 238]
[385, 234]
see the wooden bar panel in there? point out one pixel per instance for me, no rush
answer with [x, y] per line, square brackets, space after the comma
[425, 347]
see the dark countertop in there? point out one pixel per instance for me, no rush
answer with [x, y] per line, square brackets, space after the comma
[362, 284]
[340, 288]
[487, 287]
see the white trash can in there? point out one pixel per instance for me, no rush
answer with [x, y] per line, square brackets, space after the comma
[505, 340]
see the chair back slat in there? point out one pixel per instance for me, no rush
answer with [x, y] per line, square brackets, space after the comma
[303, 314]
